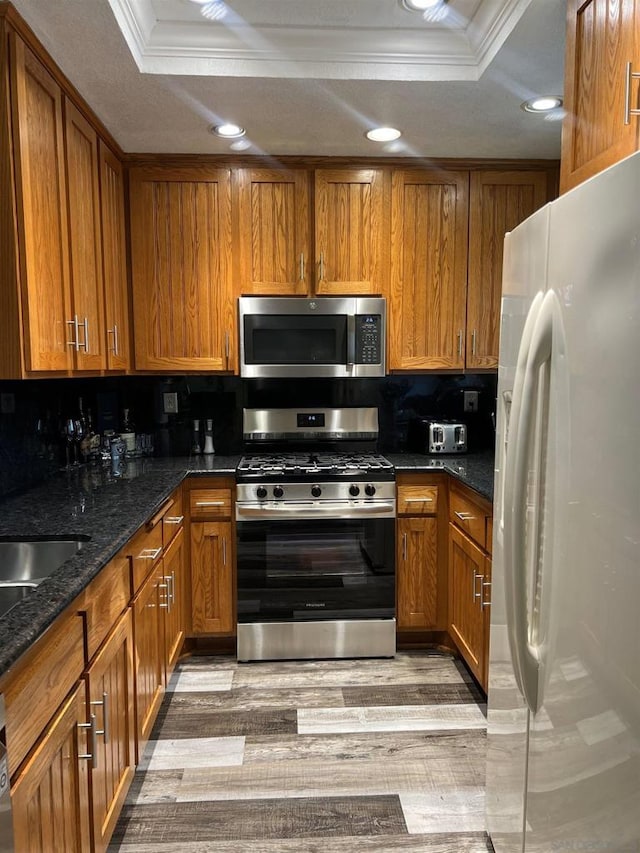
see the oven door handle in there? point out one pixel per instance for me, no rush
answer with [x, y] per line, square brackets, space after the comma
[327, 509]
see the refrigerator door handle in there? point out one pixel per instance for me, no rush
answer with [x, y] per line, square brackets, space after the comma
[547, 326]
[506, 509]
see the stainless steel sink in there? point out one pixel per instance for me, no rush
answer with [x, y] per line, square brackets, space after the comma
[26, 563]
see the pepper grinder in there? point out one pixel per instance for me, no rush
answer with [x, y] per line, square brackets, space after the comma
[208, 438]
[195, 447]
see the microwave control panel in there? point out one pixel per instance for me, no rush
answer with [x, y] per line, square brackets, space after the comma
[368, 339]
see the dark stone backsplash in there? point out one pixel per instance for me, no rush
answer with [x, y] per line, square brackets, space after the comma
[32, 447]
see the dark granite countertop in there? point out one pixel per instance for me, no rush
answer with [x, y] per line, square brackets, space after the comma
[89, 503]
[86, 502]
[475, 470]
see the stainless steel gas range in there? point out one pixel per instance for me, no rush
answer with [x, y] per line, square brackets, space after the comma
[315, 513]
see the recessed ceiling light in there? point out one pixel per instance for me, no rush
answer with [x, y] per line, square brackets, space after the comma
[228, 131]
[419, 5]
[383, 134]
[240, 145]
[542, 104]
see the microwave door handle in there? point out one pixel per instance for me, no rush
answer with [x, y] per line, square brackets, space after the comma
[351, 340]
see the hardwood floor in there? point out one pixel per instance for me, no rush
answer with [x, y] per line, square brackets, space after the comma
[359, 756]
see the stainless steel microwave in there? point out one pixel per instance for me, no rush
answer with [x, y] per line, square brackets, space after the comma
[298, 337]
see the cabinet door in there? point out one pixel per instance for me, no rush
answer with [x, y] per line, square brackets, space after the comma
[429, 229]
[87, 290]
[467, 573]
[499, 201]
[602, 37]
[351, 231]
[174, 593]
[50, 797]
[114, 259]
[183, 308]
[38, 145]
[273, 232]
[417, 572]
[211, 577]
[111, 694]
[148, 629]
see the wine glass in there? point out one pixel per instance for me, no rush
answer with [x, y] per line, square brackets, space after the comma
[78, 435]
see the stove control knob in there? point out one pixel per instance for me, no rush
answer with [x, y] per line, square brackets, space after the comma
[316, 491]
[278, 492]
[370, 490]
[261, 492]
[354, 491]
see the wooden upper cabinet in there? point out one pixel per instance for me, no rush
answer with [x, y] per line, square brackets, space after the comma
[498, 202]
[429, 225]
[273, 234]
[81, 156]
[114, 259]
[603, 38]
[42, 232]
[183, 307]
[351, 245]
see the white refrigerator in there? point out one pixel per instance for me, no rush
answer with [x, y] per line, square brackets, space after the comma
[563, 757]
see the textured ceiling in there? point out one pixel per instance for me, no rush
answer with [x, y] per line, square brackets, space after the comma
[308, 78]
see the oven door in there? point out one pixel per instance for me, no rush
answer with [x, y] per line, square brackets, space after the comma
[304, 569]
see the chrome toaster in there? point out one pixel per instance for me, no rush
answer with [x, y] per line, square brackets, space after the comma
[437, 436]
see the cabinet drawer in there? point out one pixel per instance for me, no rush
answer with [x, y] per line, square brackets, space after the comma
[468, 517]
[40, 682]
[417, 500]
[145, 549]
[210, 503]
[172, 520]
[104, 600]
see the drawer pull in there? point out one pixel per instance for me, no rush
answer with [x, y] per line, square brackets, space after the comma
[476, 577]
[174, 519]
[465, 516]
[630, 75]
[224, 552]
[165, 604]
[210, 503]
[404, 547]
[485, 602]
[417, 500]
[150, 553]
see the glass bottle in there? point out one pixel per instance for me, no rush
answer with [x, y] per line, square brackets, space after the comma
[208, 438]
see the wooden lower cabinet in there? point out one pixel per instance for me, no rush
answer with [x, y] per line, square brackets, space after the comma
[417, 561]
[469, 579]
[148, 628]
[50, 797]
[174, 613]
[212, 577]
[111, 695]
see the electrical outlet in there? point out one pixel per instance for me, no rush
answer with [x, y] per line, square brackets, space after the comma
[170, 402]
[7, 404]
[470, 401]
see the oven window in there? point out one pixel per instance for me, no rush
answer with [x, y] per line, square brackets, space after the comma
[310, 570]
[291, 339]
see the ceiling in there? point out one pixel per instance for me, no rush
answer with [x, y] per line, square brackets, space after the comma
[309, 78]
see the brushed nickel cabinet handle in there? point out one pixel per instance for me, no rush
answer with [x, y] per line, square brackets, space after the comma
[301, 266]
[210, 503]
[485, 602]
[114, 332]
[174, 519]
[460, 342]
[104, 703]
[164, 605]
[227, 345]
[418, 500]
[629, 76]
[85, 343]
[150, 553]
[476, 594]
[224, 552]
[404, 547]
[465, 516]
[473, 342]
[321, 270]
[74, 343]
[93, 755]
